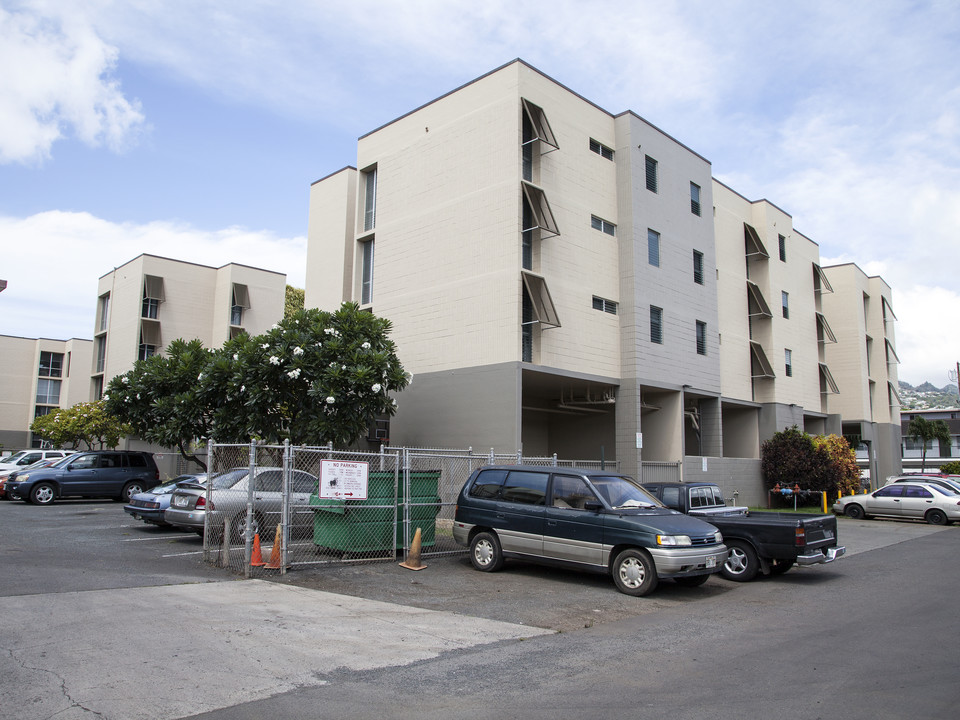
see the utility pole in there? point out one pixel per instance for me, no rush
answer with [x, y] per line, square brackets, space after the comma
[954, 376]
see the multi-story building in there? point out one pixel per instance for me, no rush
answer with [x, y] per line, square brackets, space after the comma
[149, 301]
[864, 362]
[36, 377]
[938, 452]
[564, 280]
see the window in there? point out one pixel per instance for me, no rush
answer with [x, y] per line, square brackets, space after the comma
[656, 325]
[152, 296]
[570, 492]
[653, 247]
[701, 338]
[103, 314]
[146, 350]
[603, 225]
[526, 236]
[48, 392]
[783, 248]
[788, 362]
[369, 199]
[42, 410]
[149, 339]
[98, 387]
[601, 149]
[239, 301]
[526, 327]
[651, 166]
[600, 303]
[51, 364]
[540, 209]
[525, 487]
[698, 267]
[695, 199]
[488, 484]
[366, 273]
[785, 303]
[538, 119]
[101, 343]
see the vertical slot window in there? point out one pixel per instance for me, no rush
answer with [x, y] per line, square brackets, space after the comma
[152, 297]
[785, 304]
[103, 314]
[366, 273]
[701, 338]
[788, 362]
[698, 267]
[369, 199]
[656, 325]
[783, 248]
[695, 199]
[653, 247]
[651, 170]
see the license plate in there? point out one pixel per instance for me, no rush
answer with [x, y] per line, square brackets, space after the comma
[828, 534]
[711, 562]
[180, 501]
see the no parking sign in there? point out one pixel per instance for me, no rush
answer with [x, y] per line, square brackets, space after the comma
[342, 480]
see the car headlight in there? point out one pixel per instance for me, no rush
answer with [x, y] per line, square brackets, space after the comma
[718, 536]
[21, 478]
[673, 540]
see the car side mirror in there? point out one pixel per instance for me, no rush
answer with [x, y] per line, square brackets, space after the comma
[593, 506]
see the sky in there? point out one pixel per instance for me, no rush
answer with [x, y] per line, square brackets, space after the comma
[193, 129]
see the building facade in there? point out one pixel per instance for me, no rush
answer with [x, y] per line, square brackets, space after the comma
[149, 301]
[564, 280]
[38, 376]
[938, 452]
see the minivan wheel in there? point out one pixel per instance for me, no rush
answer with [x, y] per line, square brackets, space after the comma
[130, 489]
[485, 553]
[42, 494]
[634, 572]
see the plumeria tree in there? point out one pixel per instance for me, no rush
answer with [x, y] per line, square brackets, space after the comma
[88, 423]
[315, 377]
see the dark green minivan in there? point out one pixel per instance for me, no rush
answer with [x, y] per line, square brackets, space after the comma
[591, 520]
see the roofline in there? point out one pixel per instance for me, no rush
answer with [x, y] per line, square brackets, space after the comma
[330, 175]
[187, 262]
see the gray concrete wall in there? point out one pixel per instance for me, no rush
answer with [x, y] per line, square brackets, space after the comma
[733, 475]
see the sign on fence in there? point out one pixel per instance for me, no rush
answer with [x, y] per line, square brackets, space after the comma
[342, 480]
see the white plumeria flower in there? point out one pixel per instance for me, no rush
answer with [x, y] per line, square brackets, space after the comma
[126, 380]
[236, 356]
[366, 346]
[298, 351]
[105, 397]
[200, 376]
[274, 360]
[265, 346]
[375, 387]
[242, 388]
[295, 373]
[330, 331]
[138, 397]
[330, 400]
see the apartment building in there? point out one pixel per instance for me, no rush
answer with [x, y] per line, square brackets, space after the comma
[38, 376]
[938, 452]
[149, 301]
[558, 282]
[864, 362]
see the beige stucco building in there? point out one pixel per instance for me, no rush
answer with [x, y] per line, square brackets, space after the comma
[149, 301]
[565, 280]
[37, 376]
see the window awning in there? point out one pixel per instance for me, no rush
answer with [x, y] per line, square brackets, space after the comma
[760, 367]
[756, 303]
[543, 307]
[892, 356]
[887, 309]
[540, 208]
[241, 296]
[754, 243]
[826, 333]
[827, 380]
[153, 287]
[894, 395]
[820, 282]
[150, 332]
[540, 125]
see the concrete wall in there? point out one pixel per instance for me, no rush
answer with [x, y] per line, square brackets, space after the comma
[733, 475]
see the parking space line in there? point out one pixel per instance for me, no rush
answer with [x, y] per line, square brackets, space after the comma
[166, 537]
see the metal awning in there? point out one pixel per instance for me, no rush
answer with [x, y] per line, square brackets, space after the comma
[153, 287]
[541, 210]
[820, 282]
[826, 333]
[756, 304]
[241, 296]
[891, 353]
[828, 380]
[543, 307]
[540, 125]
[760, 367]
[150, 332]
[754, 243]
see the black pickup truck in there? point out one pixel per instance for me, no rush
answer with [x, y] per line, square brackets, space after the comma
[767, 542]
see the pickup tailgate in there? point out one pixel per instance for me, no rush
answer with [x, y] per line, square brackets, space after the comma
[819, 531]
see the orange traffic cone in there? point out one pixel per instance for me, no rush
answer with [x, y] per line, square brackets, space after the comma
[275, 559]
[256, 559]
[413, 557]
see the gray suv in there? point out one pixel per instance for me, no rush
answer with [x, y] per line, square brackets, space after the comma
[116, 474]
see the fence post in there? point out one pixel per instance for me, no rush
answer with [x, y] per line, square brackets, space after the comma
[406, 503]
[285, 504]
[248, 541]
[520, 456]
[206, 515]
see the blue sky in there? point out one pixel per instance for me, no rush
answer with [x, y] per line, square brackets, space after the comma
[193, 128]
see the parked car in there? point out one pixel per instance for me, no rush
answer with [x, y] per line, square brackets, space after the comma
[25, 458]
[228, 491]
[917, 500]
[944, 481]
[767, 542]
[7, 474]
[590, 520]
[150, 505]
[117, 474]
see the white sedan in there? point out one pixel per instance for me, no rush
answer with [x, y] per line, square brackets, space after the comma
[916, 500]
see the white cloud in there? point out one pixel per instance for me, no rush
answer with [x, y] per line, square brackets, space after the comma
[927, 341]
[53, 260]
[57, 79]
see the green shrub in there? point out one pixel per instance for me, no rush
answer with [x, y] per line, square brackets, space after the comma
[951, 468]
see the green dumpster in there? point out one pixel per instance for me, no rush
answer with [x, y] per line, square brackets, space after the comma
[368, 525]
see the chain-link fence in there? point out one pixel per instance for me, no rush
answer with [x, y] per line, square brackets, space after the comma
[278, 507]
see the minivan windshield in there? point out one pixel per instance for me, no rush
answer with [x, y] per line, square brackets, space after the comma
[621, 491]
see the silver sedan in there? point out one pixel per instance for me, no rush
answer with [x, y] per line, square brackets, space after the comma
[914, 500]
